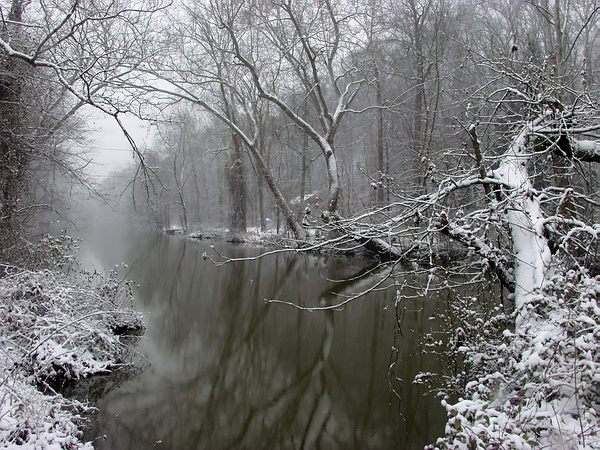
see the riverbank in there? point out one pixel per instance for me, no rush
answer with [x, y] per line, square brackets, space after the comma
[444, 252]
[58, 327]
[533, 385]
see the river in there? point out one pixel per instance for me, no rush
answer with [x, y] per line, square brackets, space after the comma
[226, 369]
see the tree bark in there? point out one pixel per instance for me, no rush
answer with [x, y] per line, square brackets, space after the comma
[261, 202]
[196, 191]
[236, 177]
[14, 157]
[380, 136]
[333, 179]
[304, 167]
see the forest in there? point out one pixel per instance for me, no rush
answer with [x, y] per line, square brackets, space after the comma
[453, 140]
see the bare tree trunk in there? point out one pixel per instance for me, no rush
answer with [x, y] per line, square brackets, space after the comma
[196, 191]
[282, 205]
[261, 202]
[236, 176]
[333, 179]
[184, 218]
[221, 188]
[14, 156]
[417, 131]
[260, 180]
[304, 167]
[181, 198]
[556, 49]
[380, 136]
[417, 134]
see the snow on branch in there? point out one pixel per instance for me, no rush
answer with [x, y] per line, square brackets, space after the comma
[492, 257]
[586, 150]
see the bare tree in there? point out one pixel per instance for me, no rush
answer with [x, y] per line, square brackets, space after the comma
[61, 57]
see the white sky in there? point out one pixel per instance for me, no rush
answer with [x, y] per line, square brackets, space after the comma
[109, 149]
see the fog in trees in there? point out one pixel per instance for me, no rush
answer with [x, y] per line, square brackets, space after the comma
[452, 141]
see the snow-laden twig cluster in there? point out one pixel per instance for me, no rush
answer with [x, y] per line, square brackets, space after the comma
[536, 387]
[64, 329]
[32, 419]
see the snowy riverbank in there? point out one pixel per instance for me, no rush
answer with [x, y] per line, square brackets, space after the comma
[56, 329]
[536, 386]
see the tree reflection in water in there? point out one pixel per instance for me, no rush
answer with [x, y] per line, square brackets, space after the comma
[229, 370]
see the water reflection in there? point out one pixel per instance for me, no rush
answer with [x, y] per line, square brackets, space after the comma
[229, 370]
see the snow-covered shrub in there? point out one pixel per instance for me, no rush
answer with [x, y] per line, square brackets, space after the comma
[54, 252]
[32, 419]
[57, 327]
[66, 326]
[538, 386]
[112, 288]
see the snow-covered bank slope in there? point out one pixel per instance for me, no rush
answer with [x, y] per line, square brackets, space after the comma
[55, 328]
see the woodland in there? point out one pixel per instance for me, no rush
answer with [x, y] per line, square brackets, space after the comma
[461, 135]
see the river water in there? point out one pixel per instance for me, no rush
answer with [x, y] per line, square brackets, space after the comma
[225, 369]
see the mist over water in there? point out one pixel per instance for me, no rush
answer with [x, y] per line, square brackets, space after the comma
[229, 370]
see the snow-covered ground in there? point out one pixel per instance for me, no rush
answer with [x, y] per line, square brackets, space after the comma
[56, 327]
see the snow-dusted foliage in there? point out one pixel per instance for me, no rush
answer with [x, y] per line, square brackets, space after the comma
[66, 327]
[56, 327]
[32, 419]
[55, 252]
[536, 387]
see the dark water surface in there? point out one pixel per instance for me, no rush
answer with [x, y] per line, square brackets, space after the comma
[228, 370]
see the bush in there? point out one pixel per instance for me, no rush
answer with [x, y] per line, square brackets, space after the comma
[56, 327]
[536, 387]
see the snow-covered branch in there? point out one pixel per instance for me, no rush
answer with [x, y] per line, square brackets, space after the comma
[586, 150]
